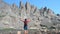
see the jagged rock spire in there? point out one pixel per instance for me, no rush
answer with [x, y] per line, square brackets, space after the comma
[14, 5]
[28, 8]
[27, 5]
[45, 8]
[21, 5]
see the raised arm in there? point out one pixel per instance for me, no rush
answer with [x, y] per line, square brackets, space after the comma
[21, 19]
[28, 20]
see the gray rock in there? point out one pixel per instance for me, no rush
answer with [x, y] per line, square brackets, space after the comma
[9, 16]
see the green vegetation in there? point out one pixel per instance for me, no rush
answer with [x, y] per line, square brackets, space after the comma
[2, 15]
[7, 29]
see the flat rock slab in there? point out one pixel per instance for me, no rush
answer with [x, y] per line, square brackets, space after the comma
[15, 31]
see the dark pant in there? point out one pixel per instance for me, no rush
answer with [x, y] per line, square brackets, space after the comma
[25, 27]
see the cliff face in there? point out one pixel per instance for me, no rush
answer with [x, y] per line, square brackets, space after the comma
[9, 16]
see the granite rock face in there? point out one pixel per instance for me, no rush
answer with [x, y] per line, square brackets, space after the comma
[10, 14]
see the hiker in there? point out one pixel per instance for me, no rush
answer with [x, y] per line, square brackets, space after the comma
[25, 25]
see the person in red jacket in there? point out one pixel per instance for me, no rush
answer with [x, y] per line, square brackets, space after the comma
[26, 25]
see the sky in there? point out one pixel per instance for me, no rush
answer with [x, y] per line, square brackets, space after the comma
[54, 5]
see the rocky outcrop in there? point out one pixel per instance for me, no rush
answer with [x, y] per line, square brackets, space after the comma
[10, 14]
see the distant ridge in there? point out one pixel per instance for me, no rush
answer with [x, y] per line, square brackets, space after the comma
[10, 14]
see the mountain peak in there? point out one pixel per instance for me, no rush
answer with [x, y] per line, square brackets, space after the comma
[26, 10]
